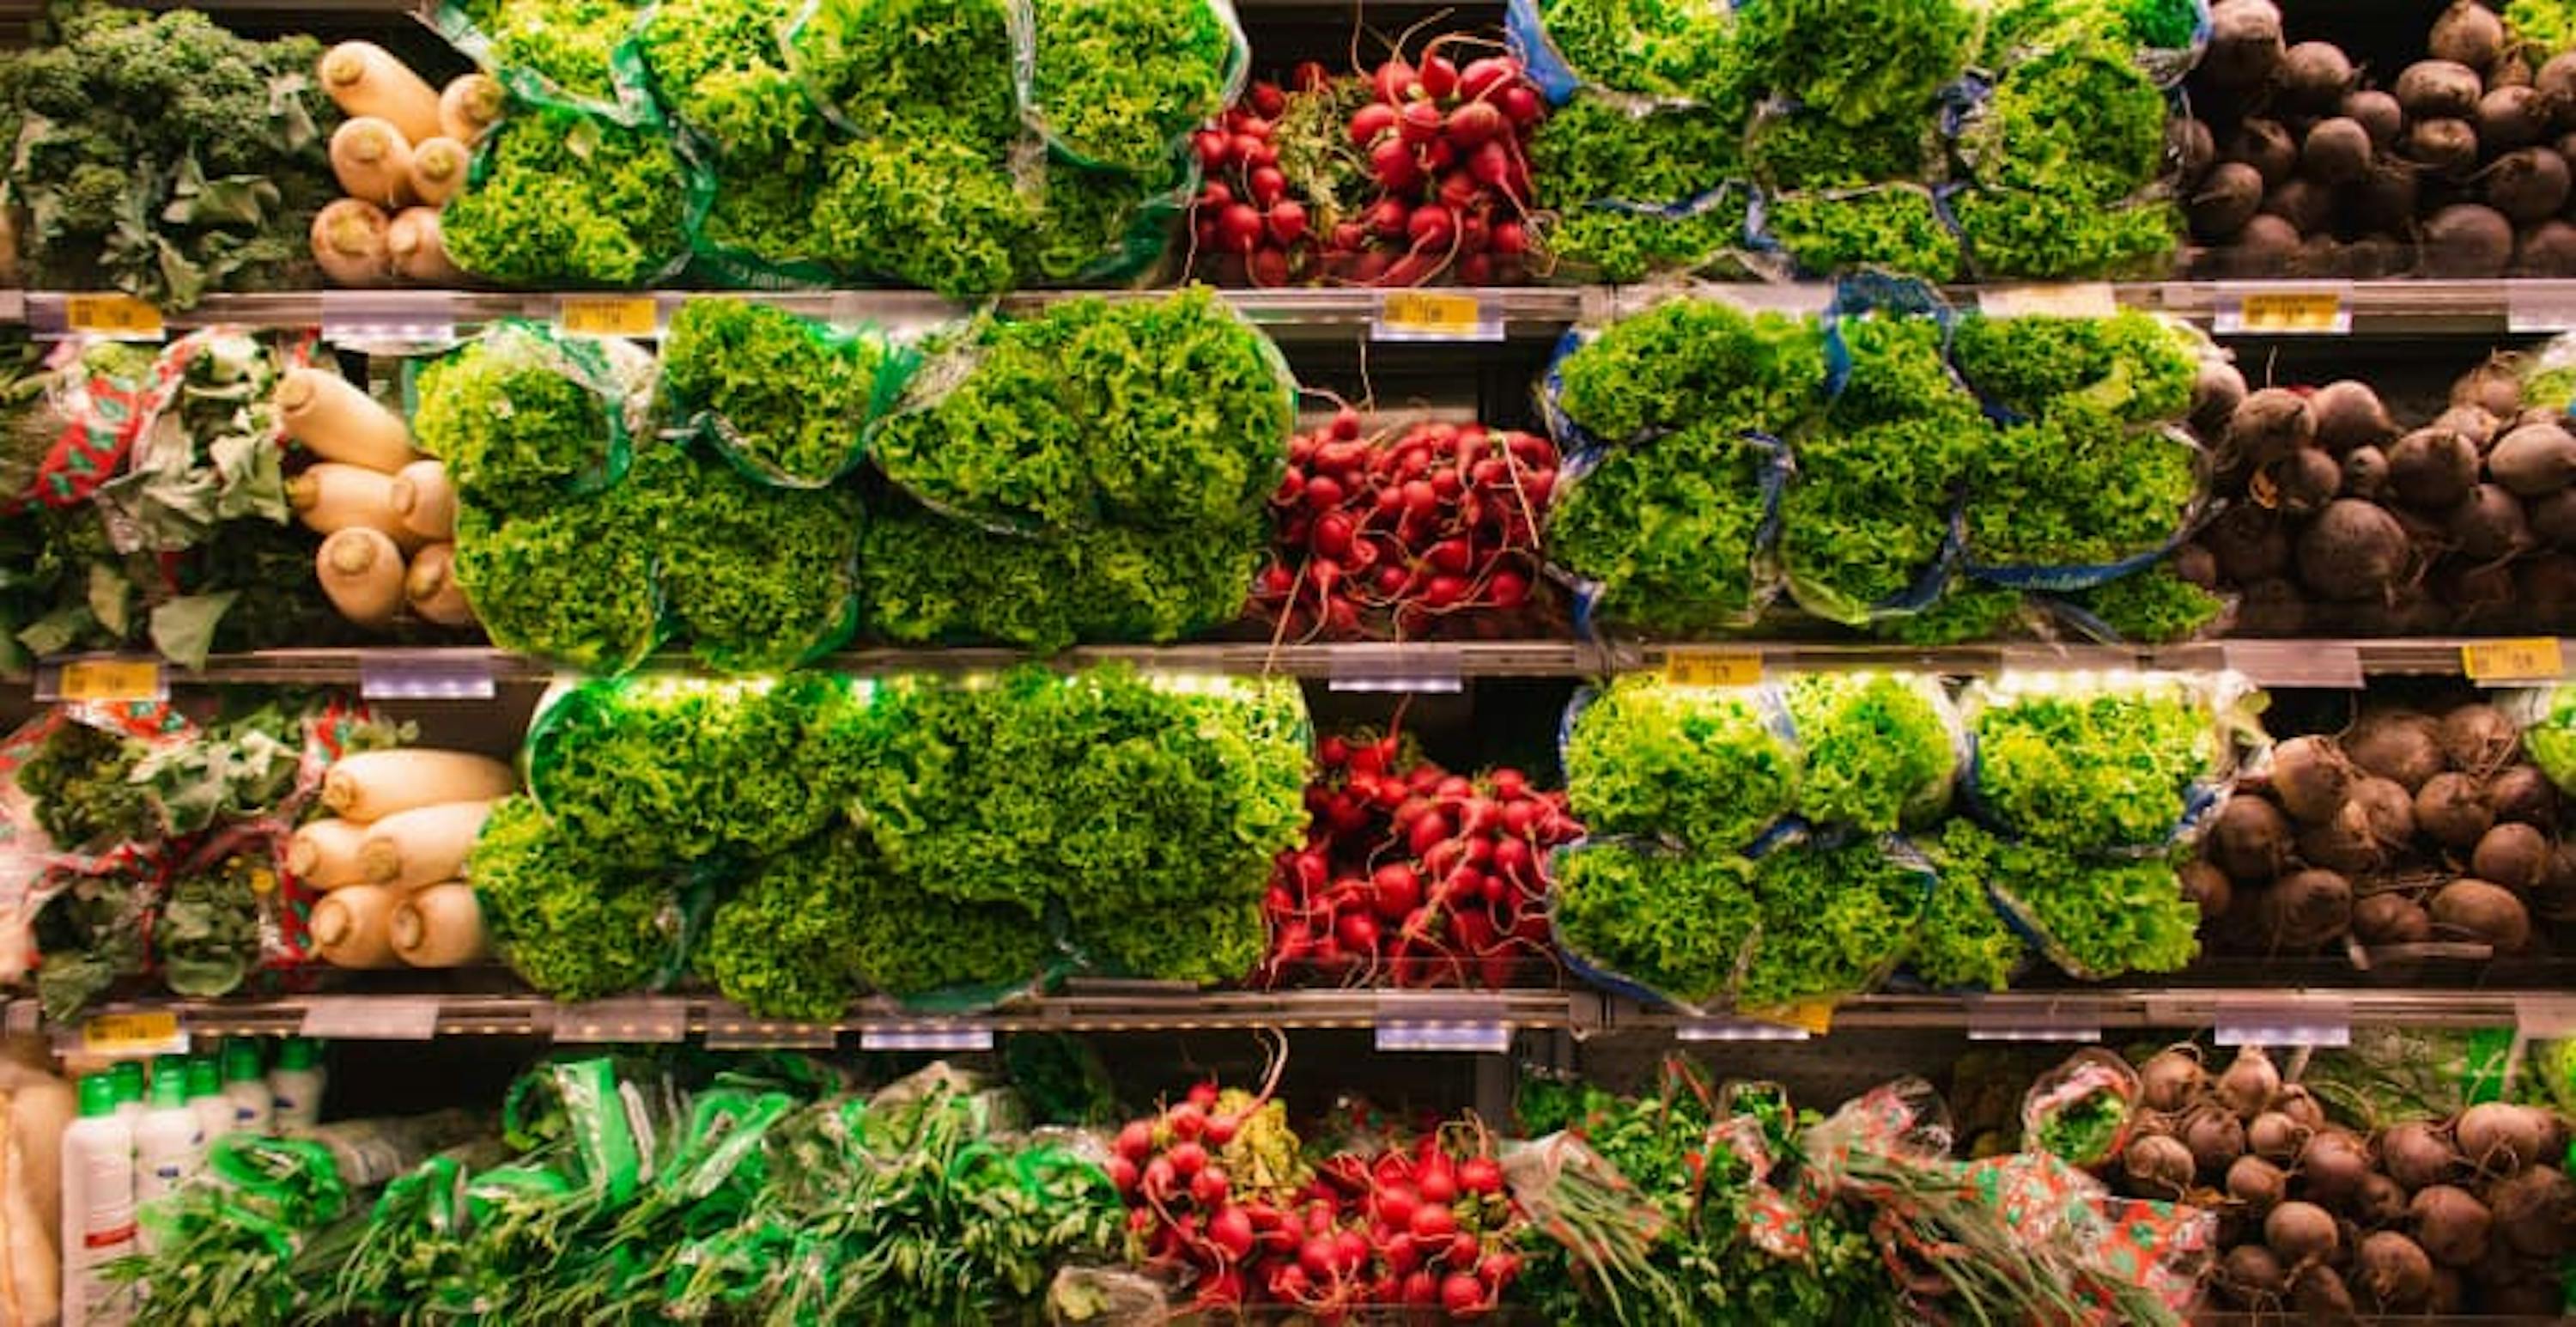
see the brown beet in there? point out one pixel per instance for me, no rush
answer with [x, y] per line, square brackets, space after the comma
[2224, 200]
[2418, 1154]
[2438, 89]
[2250, 840]
[2306, 909]
[2451, 1224]
[2488, 525]
[2467, 241]
[2432, 469]
[2336, 151]
[2441, 146]
[2392, 1269]
[2483, 912]
[2452, 810]
[2511, 117]
[2206, 886]
[2477, 738]
[2526, 186]
[2267, 147]
[2250, 543]
[2467, 34]
[2390, 918]
[2245, 45]
[2365, 473]
[2535, 460]
[2512, 854]
[2354, 550]
[2492, 386]
[2312, 778]
[2522, 794]
[2350, 414]
[2398, 744]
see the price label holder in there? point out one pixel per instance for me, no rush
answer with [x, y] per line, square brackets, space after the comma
[13, 306]
[2072, 299]
[2024, 1020]
[2531, 659]
[389, 321]
[1435, 1022]
[639, 1020]
[608, 315]
[2326, 665]
[2542, 1017]
[1735, 1029]
[116, 317]
[733, 1030]
[2272, 309]
[926, 1034]
[1425, 668]
[371, 1017]
[2290, 1021]
[1688, 666]
[426, 675]
[1435, 315]
[2538, 307]
[102, 678]
[133, 1036]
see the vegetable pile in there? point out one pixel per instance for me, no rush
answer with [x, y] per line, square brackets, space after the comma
[1414, 874]
[1226, 1203]
[1001, 838]
[1812, 137]
[162, 156]
[2465, 1215]
[1110, 456]
[1414, 171]
[1716, 462]
[2353, 522]
[2409, 827]
[158, 845]
[2302, 164]
[1426, 532]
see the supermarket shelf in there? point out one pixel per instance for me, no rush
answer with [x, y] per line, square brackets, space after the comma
[1404, 1019]
[2372, 308]
[1427, 666]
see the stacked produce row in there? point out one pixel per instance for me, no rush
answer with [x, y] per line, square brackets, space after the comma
[2101, 1190]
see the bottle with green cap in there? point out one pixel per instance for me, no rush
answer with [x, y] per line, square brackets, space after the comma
[98, 1200]
[295, 1085]
[206, 1097]
[168, 1142]
[253, 1112]
[130, 1094]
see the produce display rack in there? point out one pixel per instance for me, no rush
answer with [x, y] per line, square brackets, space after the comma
[2385, 308]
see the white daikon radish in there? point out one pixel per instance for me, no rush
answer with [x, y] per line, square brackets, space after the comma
[349, 243]
[440, 927]
[438, 167]
[353, 927]
[362, 574]
[431, 588]
[372, 161]
[336, 420]
[32, 1276]
[423, 845]
[324, 854]
[332, 496]
[425, 500]
[363, 78]
[469, 106]
[370, 785]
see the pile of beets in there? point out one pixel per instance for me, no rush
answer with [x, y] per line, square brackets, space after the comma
[1413, 875]
[1404, 532]
[1413, 172]
[1221, 1202]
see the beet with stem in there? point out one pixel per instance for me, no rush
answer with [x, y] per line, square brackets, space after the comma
[2484, 912]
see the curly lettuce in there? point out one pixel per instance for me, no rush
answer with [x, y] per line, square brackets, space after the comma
[573, 582]
[1121, 83]
[2092, 769]
[759, 578]
[1878, 748]
[779, 947]
[1711, 768]
[1674, 923]
[1688, 361]
[569, 922]
[790, 396]
[1669, 530]
[562, 198]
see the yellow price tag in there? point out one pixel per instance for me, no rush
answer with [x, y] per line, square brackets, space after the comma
[111, 680]
[112, 315]
[607, 315]
[1712, 668]
[2292, 311]
[129, 1034]
[1431, 313]
[1814, 1017]
[2537, 659]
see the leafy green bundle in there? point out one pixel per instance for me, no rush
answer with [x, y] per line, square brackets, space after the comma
[560, 197]
[789, 398]
[1121, 83]
[760, 578]
[163, 156]
[1710, 767]
[2134, 365]
[1670, 531]
[570, 921]
[2092, 767]
[1879, 749]
[2097, 918]
[1688, 361]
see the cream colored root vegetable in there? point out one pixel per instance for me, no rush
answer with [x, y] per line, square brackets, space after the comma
[440, 927]
[422, 846]
[419, 248]
[425, 499]
[432, 590]
[41, 1106]
[349, 243]
[363, 78]
[362, 574]
[336, 420]
[31, 1290]
[469, 106]
[370, 785]
[438, 170]
[372, 161]
[353, 927]
[332, 496]
[324, 854]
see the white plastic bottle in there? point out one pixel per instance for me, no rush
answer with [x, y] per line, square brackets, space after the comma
[295, 1085]
[169, 1144]
[206, 1097]
[98, 1204]
[253, 1111]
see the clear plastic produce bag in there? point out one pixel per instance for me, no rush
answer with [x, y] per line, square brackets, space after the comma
[2127, 763]
[787, 399]
[1570, 48]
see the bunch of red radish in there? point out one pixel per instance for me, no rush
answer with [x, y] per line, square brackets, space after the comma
[1398, 532]
[1415, 875]
[1427, 1227]
[1437, 169]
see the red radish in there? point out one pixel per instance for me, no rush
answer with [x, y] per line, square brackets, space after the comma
[1437, 76]
[1268, 185]
[1238, 228]
[1392, 81]
[1483, 78]
[1520, 104]
[1287, 221]
[1461, 1293]
[1371, 122]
